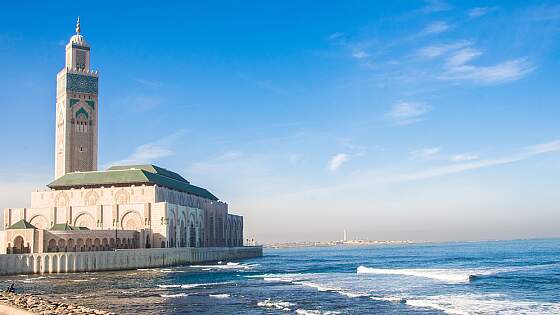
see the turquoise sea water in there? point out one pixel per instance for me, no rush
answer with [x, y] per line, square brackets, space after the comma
[502, 277]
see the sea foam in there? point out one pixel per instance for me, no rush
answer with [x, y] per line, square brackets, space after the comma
[444, 275]
[279, 305]
[174, 295]
[483, 304]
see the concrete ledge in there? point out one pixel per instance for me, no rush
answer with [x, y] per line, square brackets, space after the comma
[65, 262]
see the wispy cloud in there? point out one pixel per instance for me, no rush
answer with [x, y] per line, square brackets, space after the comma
[478, 12]
[435, 6]
[406, 113]
[336, 161]
[524, 154]
[360, 54]
[140, 103]
[151, 152]
[335, 36]
[434, 51]
[435, 28]
[459, 67]
[149, 83]
[425, 154]
[463, 157]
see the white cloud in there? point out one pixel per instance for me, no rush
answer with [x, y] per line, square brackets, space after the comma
[478, 12]
[336, 35]
[433, 51]
[435, 28]
[552, 146]
[360, 54]
[464, 157]
[462, 56]
[459, 67]
[406, 113]
[443, 170]
[336, 161]
[425, 154]
[435, 6]
[150, 152]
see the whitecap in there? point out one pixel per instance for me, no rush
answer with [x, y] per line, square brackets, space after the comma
[279, 305]
[444, 275]
[352, 294]
[174, 295]
[219, 296]
[483, 304]
[169, 286]
[393, 299]
[277, 279]
[315, 286]
[229, 265]
[314, 312]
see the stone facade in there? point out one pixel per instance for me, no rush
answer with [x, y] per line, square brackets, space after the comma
[76, 110]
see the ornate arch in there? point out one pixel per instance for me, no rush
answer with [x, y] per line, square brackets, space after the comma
[40, 222]
[131, 220]
[61, 200]
[91, 198]
[122, 197]
[85, 219]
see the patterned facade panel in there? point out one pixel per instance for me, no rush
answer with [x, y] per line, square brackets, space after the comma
[81, 83]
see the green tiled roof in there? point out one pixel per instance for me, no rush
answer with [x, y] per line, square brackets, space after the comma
[64, 227]
[152, 169]
[130, 175]
[21, 224]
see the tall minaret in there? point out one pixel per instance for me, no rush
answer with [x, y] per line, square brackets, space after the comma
[76, 110]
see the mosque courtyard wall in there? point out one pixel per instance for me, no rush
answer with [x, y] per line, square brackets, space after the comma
[67, 262]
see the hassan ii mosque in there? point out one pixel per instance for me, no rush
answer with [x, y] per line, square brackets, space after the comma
[123, 207]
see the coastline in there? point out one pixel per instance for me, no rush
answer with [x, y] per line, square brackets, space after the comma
[27, 304]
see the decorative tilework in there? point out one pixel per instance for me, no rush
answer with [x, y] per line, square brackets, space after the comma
[82, 111]
[73, 101]
[81, 83]
[91, 104]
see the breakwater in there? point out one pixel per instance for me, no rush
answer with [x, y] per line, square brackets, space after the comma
[64, 262]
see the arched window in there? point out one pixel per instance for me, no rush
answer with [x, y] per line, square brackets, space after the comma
[18, 245]
[192, 237]
[52, 246]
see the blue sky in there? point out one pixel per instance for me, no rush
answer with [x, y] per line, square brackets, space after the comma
[423, 120]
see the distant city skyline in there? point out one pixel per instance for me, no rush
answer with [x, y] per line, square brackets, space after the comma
[408, 120]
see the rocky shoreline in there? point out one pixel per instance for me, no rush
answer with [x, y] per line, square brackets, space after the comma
[37, 305]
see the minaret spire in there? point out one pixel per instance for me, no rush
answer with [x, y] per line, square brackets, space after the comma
[78, 26]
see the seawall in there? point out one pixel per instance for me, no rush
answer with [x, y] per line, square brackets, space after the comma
[126, 259]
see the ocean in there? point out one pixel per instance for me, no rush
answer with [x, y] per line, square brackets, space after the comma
[492, 277]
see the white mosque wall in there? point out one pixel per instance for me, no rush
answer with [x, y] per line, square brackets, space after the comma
[66, 262]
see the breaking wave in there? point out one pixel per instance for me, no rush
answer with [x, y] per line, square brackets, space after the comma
[279, 305]
[219, 296]
[229, 265]
[482, 304]
[444, 275]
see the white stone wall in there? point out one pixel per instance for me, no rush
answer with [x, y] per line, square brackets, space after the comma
[165, 218]
[119, 260]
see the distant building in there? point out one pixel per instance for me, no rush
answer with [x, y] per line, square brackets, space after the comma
[136, 206]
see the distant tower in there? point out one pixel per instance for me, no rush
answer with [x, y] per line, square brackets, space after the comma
[345, 238]
[76, 110]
